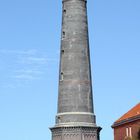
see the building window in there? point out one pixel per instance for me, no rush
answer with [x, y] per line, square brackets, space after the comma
[128, 132]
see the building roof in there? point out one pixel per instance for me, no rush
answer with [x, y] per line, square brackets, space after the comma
[131, 115]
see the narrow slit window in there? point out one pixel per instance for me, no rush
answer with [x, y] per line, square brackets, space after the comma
[59, 119]
[63, 34]
[130, 131]
[62, 51]
[61, 76]
[64, 11]
[127, 132]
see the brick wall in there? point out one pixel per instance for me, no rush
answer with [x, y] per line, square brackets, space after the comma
[129, 129]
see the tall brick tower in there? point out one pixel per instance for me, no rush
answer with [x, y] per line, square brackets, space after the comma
[75, 119]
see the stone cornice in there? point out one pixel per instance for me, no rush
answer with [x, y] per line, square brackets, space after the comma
[73, 0]
[77, 128]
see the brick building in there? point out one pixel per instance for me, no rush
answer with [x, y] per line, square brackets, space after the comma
[127, 127]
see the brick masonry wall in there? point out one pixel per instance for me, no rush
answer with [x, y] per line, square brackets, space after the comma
[120, 131]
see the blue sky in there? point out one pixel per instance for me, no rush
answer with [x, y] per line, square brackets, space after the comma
[29, 52]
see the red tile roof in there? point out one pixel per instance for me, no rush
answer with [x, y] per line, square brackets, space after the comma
[134, 112]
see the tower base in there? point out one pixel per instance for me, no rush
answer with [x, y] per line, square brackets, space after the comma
[76, 133]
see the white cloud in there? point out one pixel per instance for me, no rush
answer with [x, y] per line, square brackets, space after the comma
[27, 74]
[51, 59]
[28, 71]
[18, 52]
[12, 86]
[32, 60]
[25, 77]
[24, 65]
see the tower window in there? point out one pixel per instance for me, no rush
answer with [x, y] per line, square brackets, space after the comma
[64, 11]
[63, 34]
[61, 76]
[59, 119]
[62, 51]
